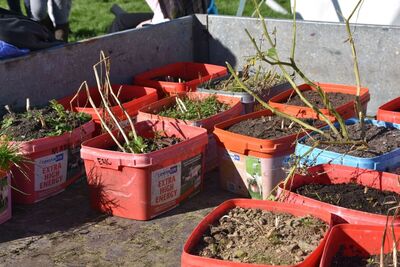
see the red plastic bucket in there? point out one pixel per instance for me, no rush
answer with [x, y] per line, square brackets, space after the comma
[5, 197]
[390, 111]
[192, 74]
[358, 240]
[150, 113]
[142, 186]
[190, 260]
[132, 98]
[346, 111]
[337, 174]
[52, 164]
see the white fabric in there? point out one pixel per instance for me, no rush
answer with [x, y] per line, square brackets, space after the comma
[381, 12]
[156, 8]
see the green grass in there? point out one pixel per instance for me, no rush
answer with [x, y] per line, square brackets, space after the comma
[91, 18]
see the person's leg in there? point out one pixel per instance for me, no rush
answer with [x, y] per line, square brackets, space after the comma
[27, 5]
[126, 21]
[60, 11]
[14, 6]
[38, 9]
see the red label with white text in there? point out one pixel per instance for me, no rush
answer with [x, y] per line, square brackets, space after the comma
[51, 170]
[165, 184]
[176, 181]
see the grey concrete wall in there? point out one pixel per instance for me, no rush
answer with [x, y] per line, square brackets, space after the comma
[321, 51]
[58, 72]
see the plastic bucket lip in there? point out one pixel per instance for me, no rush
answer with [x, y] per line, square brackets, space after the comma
[274, 145]
[91, 152]
[208, 123]
[245, 97]
[353, 235]
[139, 96]
[127, 105]
[45, 143]
[391, 105]
[347, 214]
[277, 100]
[191, 260]
[300, 142]
[177, 67]
[387, 112]
[210, 72]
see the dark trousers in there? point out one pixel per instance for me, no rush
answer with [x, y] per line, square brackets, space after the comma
[127, 21]
[15, 6]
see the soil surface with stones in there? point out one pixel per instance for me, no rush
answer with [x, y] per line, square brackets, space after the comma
[380, 140]
[337, 99]
[351, 196]
[257, 236]
[35, 124]
[64, 231]
[268, 127]
[340, 260]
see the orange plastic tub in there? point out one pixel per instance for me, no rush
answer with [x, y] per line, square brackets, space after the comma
[358, 240]
[390, 111]
[249, 165]
[346, 111]
[53, 164]
[142, 186]
[5, 197]
[150, 113]
[190, 260]
[132, 98]
[192, 74]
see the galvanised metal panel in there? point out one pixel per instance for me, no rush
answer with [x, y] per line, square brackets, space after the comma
[321, 51]
[58, 72]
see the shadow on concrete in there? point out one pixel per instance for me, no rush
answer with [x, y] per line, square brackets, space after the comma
[71, 209]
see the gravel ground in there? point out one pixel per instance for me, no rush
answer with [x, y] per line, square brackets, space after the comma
[64, 231]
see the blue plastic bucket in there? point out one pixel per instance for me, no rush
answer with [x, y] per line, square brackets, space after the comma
[385, 162]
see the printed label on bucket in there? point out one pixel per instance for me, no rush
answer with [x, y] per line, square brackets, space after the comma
[254, 179]
[166, 184]
[247, 175]
[51, 170]
[4, 188]
[172, 182]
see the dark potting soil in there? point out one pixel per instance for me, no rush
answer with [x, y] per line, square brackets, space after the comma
[340, 260]
[267, 127]
[352, 196]
[337, 99]
[152, 144]
[380, 140]
[257, 236]
[260, 83]
[52, 120]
